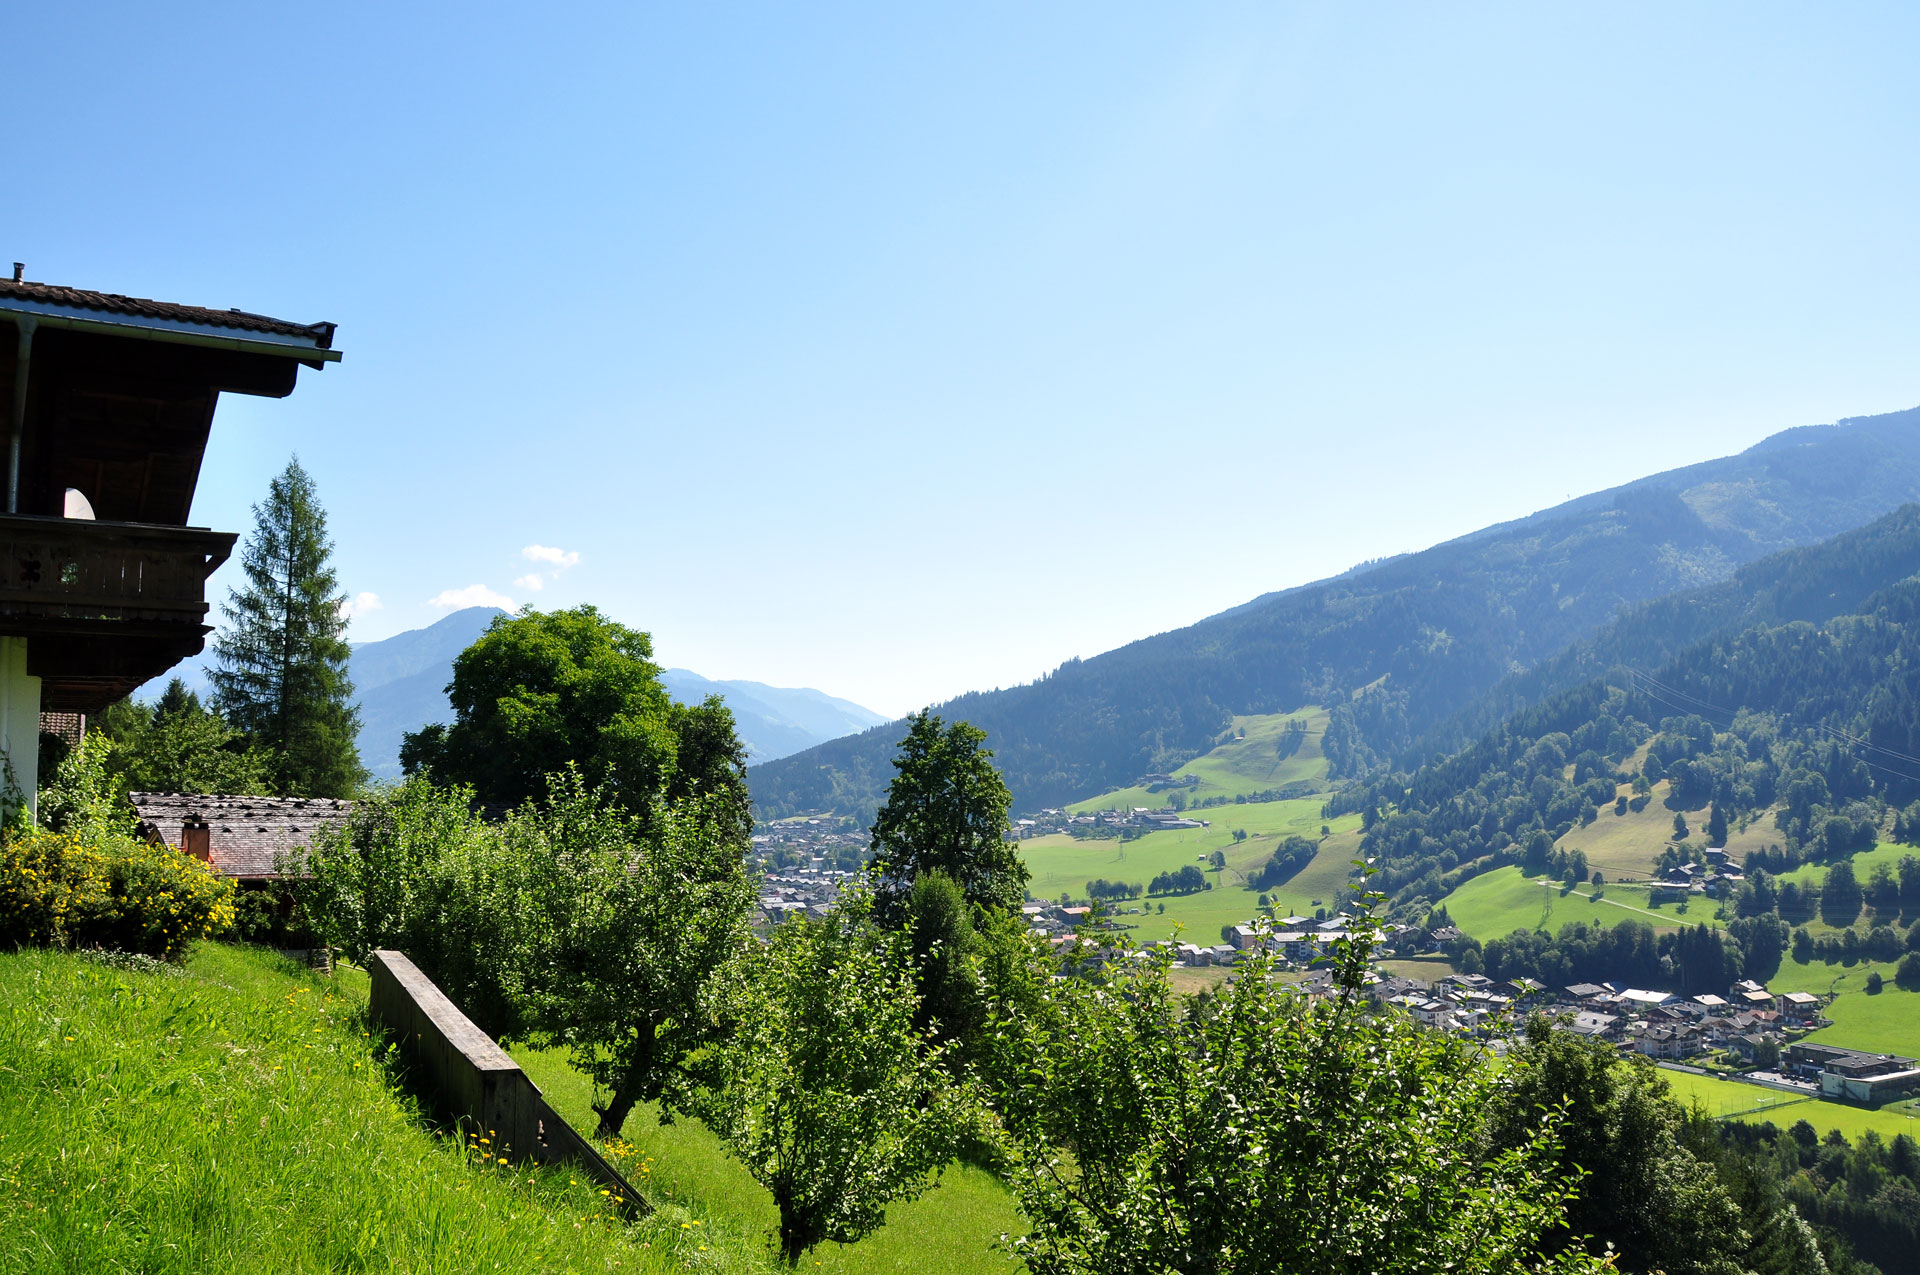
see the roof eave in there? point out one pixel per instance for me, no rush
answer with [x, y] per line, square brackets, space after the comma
[308, 350]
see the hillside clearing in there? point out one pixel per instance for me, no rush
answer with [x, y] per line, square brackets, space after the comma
[1495, 904]
[1248, 761]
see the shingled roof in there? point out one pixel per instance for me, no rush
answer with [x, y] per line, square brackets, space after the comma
[249, 837]
[53, 300]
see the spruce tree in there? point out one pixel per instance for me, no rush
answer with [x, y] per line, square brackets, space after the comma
[281, 665]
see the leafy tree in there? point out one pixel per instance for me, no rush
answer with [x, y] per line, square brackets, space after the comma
[941, 941]
[80, 796]
[280, 670]
[946, 812]
[178, 745]
[414, 868]
[630, 921]
[1840, 896]
[541, 690]
[573, 920]
[819, 1085]
[1647, 1196]
[1680, 829]
[1272, 1132]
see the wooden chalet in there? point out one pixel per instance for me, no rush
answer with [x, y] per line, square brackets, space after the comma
[109, 400]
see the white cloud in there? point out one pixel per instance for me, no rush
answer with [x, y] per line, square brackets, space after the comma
[561, 558]
[531, 583]
[474, 595]
[359, 604]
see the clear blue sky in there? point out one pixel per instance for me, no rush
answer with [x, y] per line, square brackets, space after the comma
[902, 351]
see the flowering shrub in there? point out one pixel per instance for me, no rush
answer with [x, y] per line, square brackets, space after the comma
[93, 888]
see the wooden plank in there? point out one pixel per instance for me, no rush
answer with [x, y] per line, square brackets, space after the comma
[473, 1082]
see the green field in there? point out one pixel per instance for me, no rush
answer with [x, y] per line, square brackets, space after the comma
[1885, 1023]
[1244, 761]
[1063, 865]
[1757, 1104]
[1889, 853]
[1495, 904]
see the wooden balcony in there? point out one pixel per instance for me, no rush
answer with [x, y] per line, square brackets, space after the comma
[105, 606]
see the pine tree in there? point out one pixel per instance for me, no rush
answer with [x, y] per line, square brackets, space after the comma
[1717, 825]
[281, 674]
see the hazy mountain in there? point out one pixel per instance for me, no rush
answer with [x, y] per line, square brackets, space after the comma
[775, 721]
[1424, 635]
[400, 683]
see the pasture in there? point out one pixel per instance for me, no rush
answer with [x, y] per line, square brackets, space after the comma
[1627, 846]
[1495, 904]
[1245, 760]
[1063, 865]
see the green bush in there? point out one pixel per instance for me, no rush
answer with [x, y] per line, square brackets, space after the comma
[87, 887]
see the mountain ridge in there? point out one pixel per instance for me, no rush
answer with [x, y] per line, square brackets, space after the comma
[1428, 631]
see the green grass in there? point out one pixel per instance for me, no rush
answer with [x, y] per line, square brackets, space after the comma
[1061, 864]
[1495, 904]
[1629, 845]
[954, 1227]
[1889, 853]
[1244, 761]
[1885, 1023]
[1757, 1104]
[233, 1116]
[1426, 970]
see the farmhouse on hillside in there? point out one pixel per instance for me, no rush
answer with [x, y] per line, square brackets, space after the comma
[109, 401]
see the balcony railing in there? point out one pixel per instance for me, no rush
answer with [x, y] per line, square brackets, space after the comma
[59, 572]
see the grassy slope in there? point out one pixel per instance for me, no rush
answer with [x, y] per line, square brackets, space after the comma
[1627, 846]
[1495, 904]
[951, 1228]
[1239, 766]
[1061, 864]
[232, 1117]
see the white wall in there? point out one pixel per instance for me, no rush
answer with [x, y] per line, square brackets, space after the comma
[20, 720]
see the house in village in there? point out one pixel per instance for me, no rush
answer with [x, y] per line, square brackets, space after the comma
[109, 401]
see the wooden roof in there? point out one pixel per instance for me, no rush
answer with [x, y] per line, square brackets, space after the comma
[249, 837]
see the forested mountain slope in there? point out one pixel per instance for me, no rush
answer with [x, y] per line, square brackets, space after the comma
[1817, 722]
[1425, 635]
[1813, 583]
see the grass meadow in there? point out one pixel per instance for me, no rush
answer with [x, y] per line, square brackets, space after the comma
[234, 1116]
[1495, 904]
[1629, 845]
[1063, 865]
[1245, 761]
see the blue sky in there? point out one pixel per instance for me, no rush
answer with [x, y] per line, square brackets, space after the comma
[901, 350]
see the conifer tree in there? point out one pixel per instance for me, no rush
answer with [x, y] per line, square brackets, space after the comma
[281, 666]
